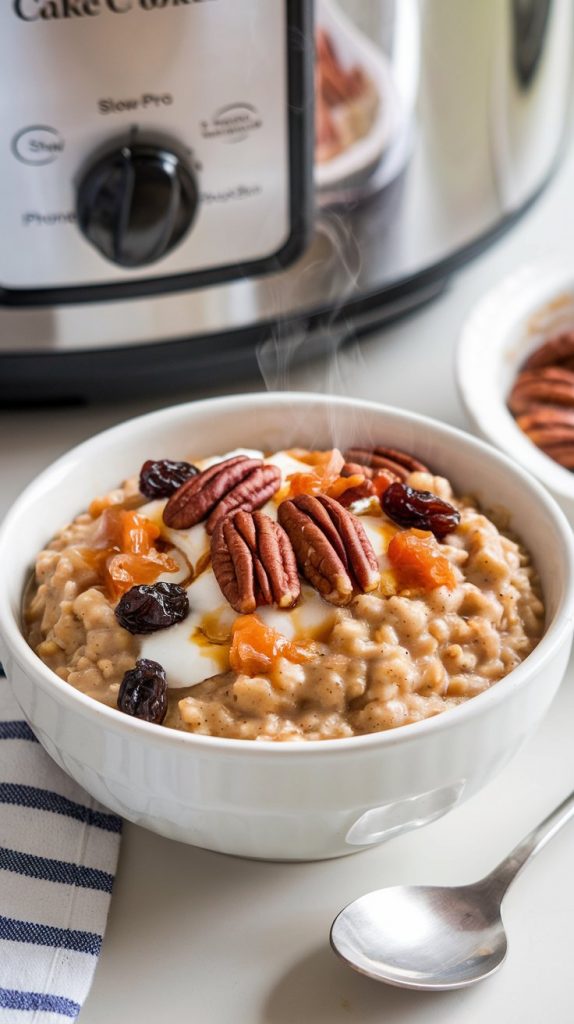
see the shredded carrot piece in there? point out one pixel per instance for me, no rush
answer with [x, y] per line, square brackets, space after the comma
[123, 553]
[345, 483]
[417, 560]
[126, 531]
[330, 460]
[125, 571]
[304, 483]
[381, 481]
[256, 648]
[326, 470]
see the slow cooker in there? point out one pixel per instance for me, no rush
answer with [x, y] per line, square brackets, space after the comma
[191, 185]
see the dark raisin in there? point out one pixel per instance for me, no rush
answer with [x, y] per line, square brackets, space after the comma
[419, 509]
[143, 692]
[152, 606]
[162, 478]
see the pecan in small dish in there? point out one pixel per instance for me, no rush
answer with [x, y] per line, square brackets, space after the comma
[542, 398]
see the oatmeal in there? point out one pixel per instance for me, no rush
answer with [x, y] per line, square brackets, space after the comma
[298, 596]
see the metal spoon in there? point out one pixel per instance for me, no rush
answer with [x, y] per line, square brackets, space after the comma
[437, 937]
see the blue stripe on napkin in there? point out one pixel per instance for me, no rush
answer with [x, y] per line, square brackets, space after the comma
[37, 1001]
[47, 800]
[50, 935]
[16, 731]
[44, 935]
[55, 870]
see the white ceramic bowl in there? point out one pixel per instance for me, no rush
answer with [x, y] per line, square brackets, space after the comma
[294, 800]
[507, 324]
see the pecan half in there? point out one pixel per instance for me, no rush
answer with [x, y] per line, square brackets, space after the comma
[551, 428]
[545, 416]
[542, 398]
[236, 483]
[551, 435]
[332, 549]
[354, 468]
[375, 482]
[353, 494]
[552, 384]
[399, 463]
[254, 562]
[559, 349]
[561, 453]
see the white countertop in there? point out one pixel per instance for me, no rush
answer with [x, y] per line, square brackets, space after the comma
[197, 936]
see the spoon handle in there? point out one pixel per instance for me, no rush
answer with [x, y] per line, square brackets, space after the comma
[499, 880]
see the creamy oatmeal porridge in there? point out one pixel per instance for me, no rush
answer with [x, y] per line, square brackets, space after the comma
[297, 596]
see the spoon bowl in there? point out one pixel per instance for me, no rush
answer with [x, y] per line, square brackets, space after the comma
[423, 937]
[438, 937]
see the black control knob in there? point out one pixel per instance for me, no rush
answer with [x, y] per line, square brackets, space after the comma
[136, 203]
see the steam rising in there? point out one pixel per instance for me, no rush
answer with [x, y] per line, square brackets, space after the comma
[290, 345]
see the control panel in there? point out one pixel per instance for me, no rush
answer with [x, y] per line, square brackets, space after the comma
[135, 203]
[147, 139]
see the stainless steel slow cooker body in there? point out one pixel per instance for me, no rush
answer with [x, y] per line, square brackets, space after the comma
[471, 111]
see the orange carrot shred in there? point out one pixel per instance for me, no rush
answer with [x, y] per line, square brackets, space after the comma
[256, 648]
[417, 560]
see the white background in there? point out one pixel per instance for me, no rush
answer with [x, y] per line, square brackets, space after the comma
[201, 937]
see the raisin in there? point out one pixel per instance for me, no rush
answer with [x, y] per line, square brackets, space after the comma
[143, 692]
[162, 478]
[419, 509]
[149, 607]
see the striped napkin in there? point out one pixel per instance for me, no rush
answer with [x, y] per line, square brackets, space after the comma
[58, 855]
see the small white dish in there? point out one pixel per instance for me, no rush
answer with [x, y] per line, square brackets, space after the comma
[512, 320]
